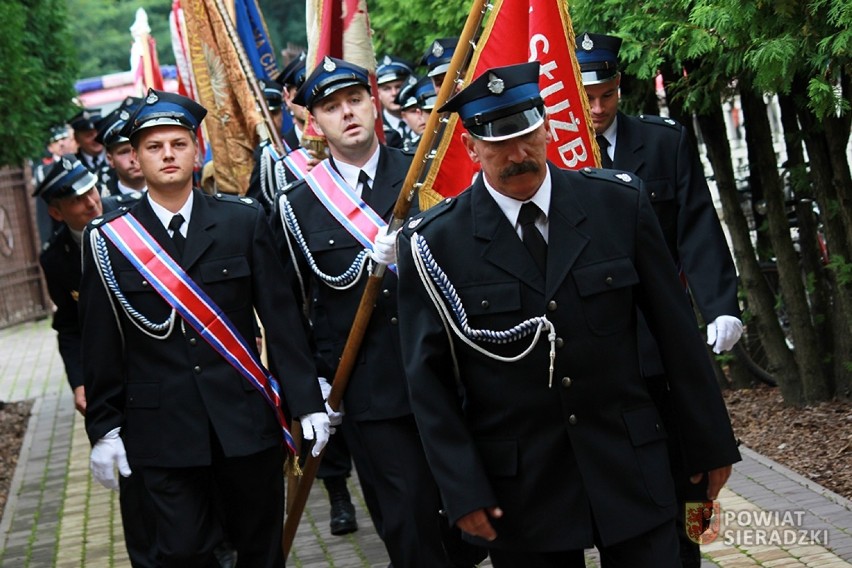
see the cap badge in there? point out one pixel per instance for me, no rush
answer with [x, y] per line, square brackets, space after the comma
[587, 44]
[387, 60]
[152, 98]
[124, 115]
[66, 163]
[624, 177]
[495, 84]
[97, 221]
[414, 222]
[329, 65]
[246, 200]
[437, 49]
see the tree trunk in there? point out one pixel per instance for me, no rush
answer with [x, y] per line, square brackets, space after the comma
[810, 250]
[822, 176]
[763, 163]
[760, 299]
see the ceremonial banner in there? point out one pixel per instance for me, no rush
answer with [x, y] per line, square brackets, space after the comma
[520, 31]
[223, 89]
[186, 80]
[143, 55]
[255, 39]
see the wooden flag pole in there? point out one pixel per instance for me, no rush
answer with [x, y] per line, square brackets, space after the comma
[371, 290]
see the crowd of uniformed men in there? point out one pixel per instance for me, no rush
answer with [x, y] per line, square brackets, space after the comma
[531, 381]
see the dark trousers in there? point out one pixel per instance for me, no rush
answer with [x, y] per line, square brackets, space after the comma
[245, 494]
[138, 518]
[656, 548]
[412, 528]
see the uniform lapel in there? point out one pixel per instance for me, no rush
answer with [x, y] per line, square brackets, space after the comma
[198, 237]
[565, 240]
[386, 186]
[146, 216]
[628, 146]
[501, 245]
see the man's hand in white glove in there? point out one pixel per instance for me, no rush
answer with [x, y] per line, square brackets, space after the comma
[316, 425]
[334, 418]
[108, 454]
[384, 249]
[723, 333]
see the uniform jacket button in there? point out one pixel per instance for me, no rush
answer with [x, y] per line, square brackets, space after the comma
[192, 341]
[145, 283]
[196, 369]
[386, 293]
[560, 343]
[394, 320]
[608, 280]
[224, 272]
[484, 304]
[566, 382]
[572, 420]
[331, 242]
[551, 306]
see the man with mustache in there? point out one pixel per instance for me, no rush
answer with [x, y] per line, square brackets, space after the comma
[378, 424]
[518, 304]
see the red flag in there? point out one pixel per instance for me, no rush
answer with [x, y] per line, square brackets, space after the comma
[521, 31]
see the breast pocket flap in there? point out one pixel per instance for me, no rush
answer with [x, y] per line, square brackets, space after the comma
[605, 276]
[224, 269]
[491, 298]
[644, 425]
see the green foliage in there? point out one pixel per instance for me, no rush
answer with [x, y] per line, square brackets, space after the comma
[406, 28]
[38, 67]
[285, 21]
[101, 29]
[841, 269]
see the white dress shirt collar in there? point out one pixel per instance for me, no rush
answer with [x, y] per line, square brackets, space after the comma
[511, 208]
[350, 173]
[165, 216]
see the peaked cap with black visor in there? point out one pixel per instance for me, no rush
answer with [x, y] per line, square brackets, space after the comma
[502, 103]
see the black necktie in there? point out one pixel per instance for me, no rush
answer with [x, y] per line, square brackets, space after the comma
[366, 190]
[174, 227]
[532, 237]
[606, 161]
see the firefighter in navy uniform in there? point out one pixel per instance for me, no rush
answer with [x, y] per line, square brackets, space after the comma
[127, 179]
[517, 303]
[171, 405]
[90, 152]
[659, 151]
[72, 199]
[378, 424]
[391, 75]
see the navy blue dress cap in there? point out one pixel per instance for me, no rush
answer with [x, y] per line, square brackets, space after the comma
[406, 98]
[502, 103]
[85, 119]
[272, 94]
[161, 108]
[438, 55]
[59, 132]
[597, 55]
[293, 74]
[330, 76]
[426, 95]
[392, 68]
[65, 177]
[109, 128]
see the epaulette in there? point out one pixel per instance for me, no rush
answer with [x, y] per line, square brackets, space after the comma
[660, 120]
[128, 197]
[421, 219]
[624, 178]
[289, 187]
[231, 198]
[107, 217]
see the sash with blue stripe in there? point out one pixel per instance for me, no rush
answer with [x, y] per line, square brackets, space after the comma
[196, 308]
[358, 218]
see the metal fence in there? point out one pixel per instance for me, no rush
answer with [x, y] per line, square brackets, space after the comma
[23, 295]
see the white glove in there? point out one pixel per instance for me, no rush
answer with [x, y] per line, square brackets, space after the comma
[384, 249]
[334, 418]
[723, 333]
[108, 454]
[316, 425]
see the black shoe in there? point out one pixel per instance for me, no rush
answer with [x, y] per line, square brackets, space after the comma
[342, 511]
